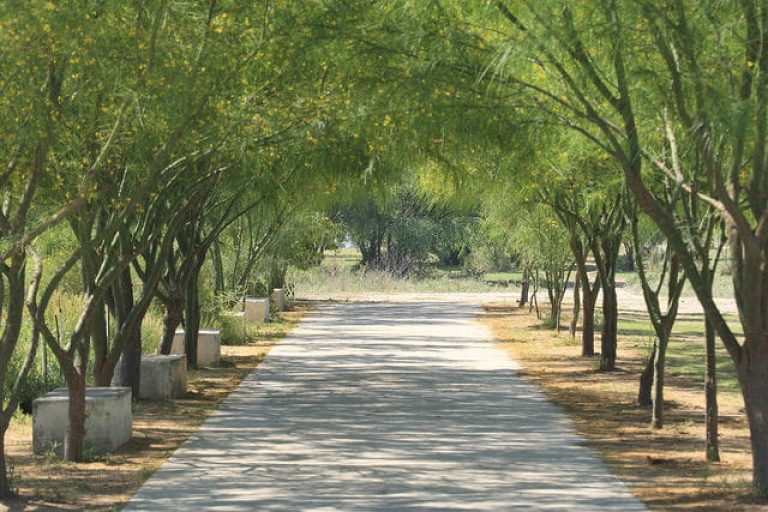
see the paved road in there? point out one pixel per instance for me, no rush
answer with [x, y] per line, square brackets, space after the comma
[386, 407]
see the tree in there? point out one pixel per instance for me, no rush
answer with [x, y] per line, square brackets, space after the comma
[142, 186]
[39, 112]
[542, 245]
[671, 278]
[711, 86]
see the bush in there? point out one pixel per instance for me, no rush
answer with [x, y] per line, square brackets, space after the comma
[232, 330]
[37, 383]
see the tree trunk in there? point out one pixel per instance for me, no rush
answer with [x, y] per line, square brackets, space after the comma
[588, 295]
[552, 294]
[525, 285]
[588, 327]
[753, 376]
[659, 367]
[576, 305]
[644, 396]
[174, 313]
[74, 442]
[608, 341]
[102, 374]
[218, 267]
[130, 361]
[191, 320]
[130, 353]
[629, 252]
[6, 486]
[710, 384]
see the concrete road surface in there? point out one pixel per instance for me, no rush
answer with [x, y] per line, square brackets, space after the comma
[386, 407]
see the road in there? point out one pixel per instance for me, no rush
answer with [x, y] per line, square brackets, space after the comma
[386, 407]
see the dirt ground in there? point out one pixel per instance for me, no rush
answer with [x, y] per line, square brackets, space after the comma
[665, 468]
[159, 427]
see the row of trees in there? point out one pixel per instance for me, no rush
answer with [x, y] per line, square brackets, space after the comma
[656, 107]
[154, 132]
[144, 142]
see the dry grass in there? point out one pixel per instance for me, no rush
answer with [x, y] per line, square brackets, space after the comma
[159, 427]
[665, 468]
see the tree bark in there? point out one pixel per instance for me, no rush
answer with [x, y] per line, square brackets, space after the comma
[6, 489]
[659, 366]
[129, 327]
[191, 321]
[74, 442]
[753, 376]
[102, 373]
[218, 267]
[608, 336]
[629, 252]
[589, 299]
[525, 285]
[576, 305]
[174, 313]
[588, 322]
[712, 448]
[644, 394]
[130, 361]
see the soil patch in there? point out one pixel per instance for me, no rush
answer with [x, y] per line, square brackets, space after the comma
[159, 427]
[664, 468]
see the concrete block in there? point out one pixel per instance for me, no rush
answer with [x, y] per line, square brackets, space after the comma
[208, 346]
[256, 309]
[163, 376]
[108, 420]
[278, 296]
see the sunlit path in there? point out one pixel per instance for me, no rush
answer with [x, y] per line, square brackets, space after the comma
[386, 407]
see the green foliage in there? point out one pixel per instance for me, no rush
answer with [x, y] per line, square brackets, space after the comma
[400, 228]
[38, 382]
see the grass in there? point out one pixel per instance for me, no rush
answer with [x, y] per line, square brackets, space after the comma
[665, 468]
[722, 287]
[685, 357]
[338, 274]
[107, 482]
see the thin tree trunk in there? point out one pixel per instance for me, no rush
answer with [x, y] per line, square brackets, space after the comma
[74, 442]
[525, 285]
[589, 297]
[129, 374]
[191, 321]
[576, 305]
[100, 336]
[130, 362]
[6, 489]
[659, 373]
[608, 338]
[753, 376]
[174, 313]
[552, 294]
[588, 325]
[629, 252]
[644, 394]
[712, 439]
[218, 267]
